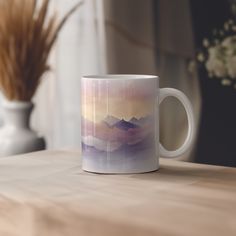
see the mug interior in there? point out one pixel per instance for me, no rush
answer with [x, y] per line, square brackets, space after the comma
[121, 76]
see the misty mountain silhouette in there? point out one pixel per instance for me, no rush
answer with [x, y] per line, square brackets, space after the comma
[134, 120]
[125, 125]
[111, 120]
[140, 121]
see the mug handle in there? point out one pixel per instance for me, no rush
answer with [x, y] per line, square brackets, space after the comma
[170, 92]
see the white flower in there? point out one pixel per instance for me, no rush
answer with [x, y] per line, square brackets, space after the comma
[215, 63]
[221, 57]
[206, 43]
[231, 66]
[229, 45]
[217, 68]
[200, 57]
[213, 52]
[226, 42]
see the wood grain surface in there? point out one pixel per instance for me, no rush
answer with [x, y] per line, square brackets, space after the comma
[47, 194]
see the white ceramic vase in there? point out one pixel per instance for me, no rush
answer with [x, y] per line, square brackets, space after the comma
[16, 137]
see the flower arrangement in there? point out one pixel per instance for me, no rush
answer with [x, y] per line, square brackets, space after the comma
[219, 54]
[27, 35]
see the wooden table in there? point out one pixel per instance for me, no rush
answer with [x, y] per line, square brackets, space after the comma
[47, 194]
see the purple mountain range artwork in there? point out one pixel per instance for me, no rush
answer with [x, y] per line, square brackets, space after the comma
[125, 125]
[113, 135]
[118, 127]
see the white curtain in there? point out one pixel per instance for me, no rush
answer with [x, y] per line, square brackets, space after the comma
[110, 36]
[175, 52]
[79, 50]
[156, 37]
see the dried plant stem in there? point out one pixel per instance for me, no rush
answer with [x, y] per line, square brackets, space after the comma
[26, 40]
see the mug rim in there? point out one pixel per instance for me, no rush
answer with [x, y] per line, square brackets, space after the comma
[120, 77]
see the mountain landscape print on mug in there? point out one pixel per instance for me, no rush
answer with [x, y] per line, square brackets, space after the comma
[118, 122]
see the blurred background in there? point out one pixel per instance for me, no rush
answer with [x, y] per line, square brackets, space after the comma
[161, 37]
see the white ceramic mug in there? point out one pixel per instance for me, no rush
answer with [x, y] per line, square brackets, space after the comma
[120, 123]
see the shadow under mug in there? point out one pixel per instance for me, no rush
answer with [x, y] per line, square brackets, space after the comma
[120, 123]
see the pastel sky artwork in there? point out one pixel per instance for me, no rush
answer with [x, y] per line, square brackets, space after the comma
[122, 99]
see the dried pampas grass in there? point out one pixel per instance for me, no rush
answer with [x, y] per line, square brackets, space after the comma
[26, 39]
